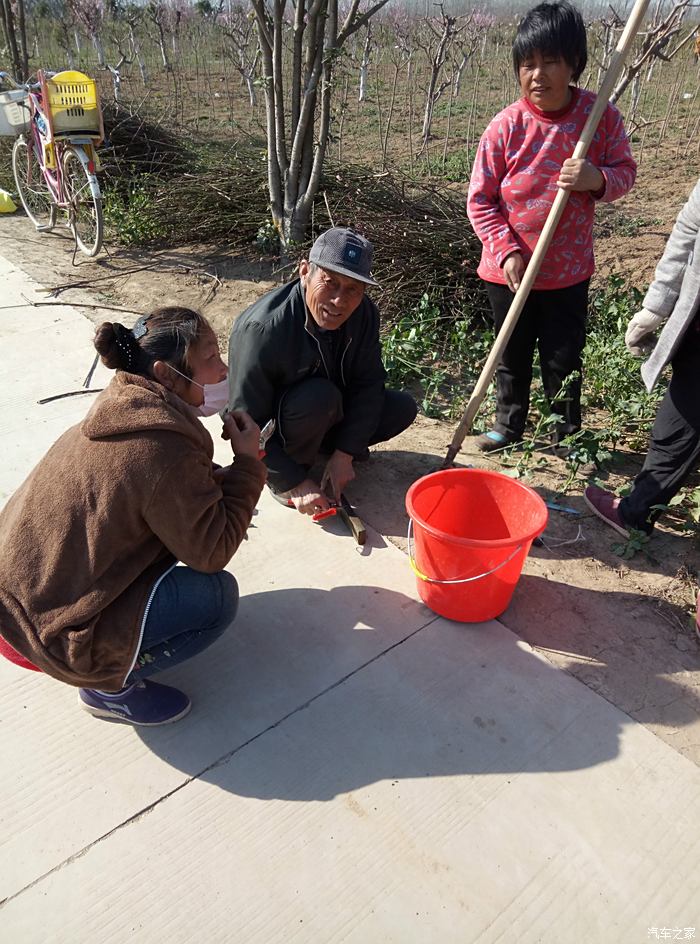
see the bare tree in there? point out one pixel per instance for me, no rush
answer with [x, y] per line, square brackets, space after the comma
[65, 26]
[239, 29]
[400, 54]
[90, 16]
[656, 43]
[402, 30]
[364, 64]
[299, 112]
[125, 58]
[437, 43]
[477, 27]
[15, 30]
[157, 13]
[132, 21]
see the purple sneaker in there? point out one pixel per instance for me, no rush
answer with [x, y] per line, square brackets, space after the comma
[605, 505]
[147, 703]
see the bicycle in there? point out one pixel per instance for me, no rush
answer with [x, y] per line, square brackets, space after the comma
[54, 159]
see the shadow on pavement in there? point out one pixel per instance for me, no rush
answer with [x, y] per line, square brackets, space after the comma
[286, 709]
[617, 643]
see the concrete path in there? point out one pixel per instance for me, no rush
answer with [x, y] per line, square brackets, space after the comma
[354, 768]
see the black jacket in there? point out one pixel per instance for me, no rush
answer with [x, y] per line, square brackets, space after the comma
[272, 347]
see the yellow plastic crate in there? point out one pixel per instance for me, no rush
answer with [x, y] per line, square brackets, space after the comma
[72, 99]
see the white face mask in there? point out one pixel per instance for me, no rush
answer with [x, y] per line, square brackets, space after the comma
[215, 395]
[215, 398]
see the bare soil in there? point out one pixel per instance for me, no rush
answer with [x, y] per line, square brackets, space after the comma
[624, 628]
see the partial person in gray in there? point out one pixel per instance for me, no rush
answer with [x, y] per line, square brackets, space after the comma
[673, 300]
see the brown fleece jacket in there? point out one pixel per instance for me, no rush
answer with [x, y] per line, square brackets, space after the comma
[111, 506]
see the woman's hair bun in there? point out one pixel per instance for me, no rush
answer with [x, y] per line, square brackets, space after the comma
[107, 347]
[166, 334]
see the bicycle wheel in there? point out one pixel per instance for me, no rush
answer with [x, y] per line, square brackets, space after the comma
[31, 186]
[84, 205]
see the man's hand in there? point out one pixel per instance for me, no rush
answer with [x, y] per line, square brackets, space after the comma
[338, 472]
[640, 330]
[580, 175]
[308, 498]
[243, 432]
[514, 269]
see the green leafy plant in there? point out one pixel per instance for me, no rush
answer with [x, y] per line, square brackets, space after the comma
[438, 353]
[412, 343]
[127, 214]
[611, 378]
[692, 500]
[636, 542]
[457, 166]
[267, 238]
[687, 502]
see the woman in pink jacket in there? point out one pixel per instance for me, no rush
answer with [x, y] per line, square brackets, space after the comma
[522, 160]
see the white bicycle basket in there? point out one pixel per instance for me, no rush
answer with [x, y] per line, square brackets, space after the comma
[14, 112]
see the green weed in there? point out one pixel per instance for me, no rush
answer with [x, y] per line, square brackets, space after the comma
[267, 238]
[439, 354]
[126, 213]
[457, 167]
[636, 542]
[613, 222]
[611, 378]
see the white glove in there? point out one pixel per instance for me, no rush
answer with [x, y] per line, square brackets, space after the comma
[639, 331]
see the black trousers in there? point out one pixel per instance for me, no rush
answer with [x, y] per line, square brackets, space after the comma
[554, 322]
[311, 409]
[674, 451]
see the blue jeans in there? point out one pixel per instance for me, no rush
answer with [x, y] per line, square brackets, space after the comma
[189, 611]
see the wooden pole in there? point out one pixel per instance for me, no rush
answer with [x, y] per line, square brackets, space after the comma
[616, 61]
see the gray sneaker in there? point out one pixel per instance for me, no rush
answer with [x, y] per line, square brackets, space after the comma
[287, 502]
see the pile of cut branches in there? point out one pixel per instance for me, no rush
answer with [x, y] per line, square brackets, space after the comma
[187, 190]
[424, 244]
[137, 143]
[207, 192]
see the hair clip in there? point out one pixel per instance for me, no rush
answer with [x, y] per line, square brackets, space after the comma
[140, 328]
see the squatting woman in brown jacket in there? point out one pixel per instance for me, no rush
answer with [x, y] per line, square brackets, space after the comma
[89, 588]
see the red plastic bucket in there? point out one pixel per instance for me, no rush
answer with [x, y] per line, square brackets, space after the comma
[473, 530]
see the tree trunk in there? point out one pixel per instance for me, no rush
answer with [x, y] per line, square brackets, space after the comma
[436, 56]
[162, 43]
[97, 43]
[296, 149]
[163, 50]
[364, 65]
[458, 75]
[656, 39]
[9, 29]
[634, 97]
[139, 58]
[249, 79]
[22, 30]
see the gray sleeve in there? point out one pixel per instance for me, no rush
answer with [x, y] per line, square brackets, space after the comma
[663, 292]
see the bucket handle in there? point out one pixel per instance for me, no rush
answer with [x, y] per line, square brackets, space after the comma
[427, 579]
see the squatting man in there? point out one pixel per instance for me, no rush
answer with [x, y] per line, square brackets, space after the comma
[308, 355]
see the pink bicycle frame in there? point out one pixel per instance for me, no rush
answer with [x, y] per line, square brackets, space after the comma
[53, 178]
